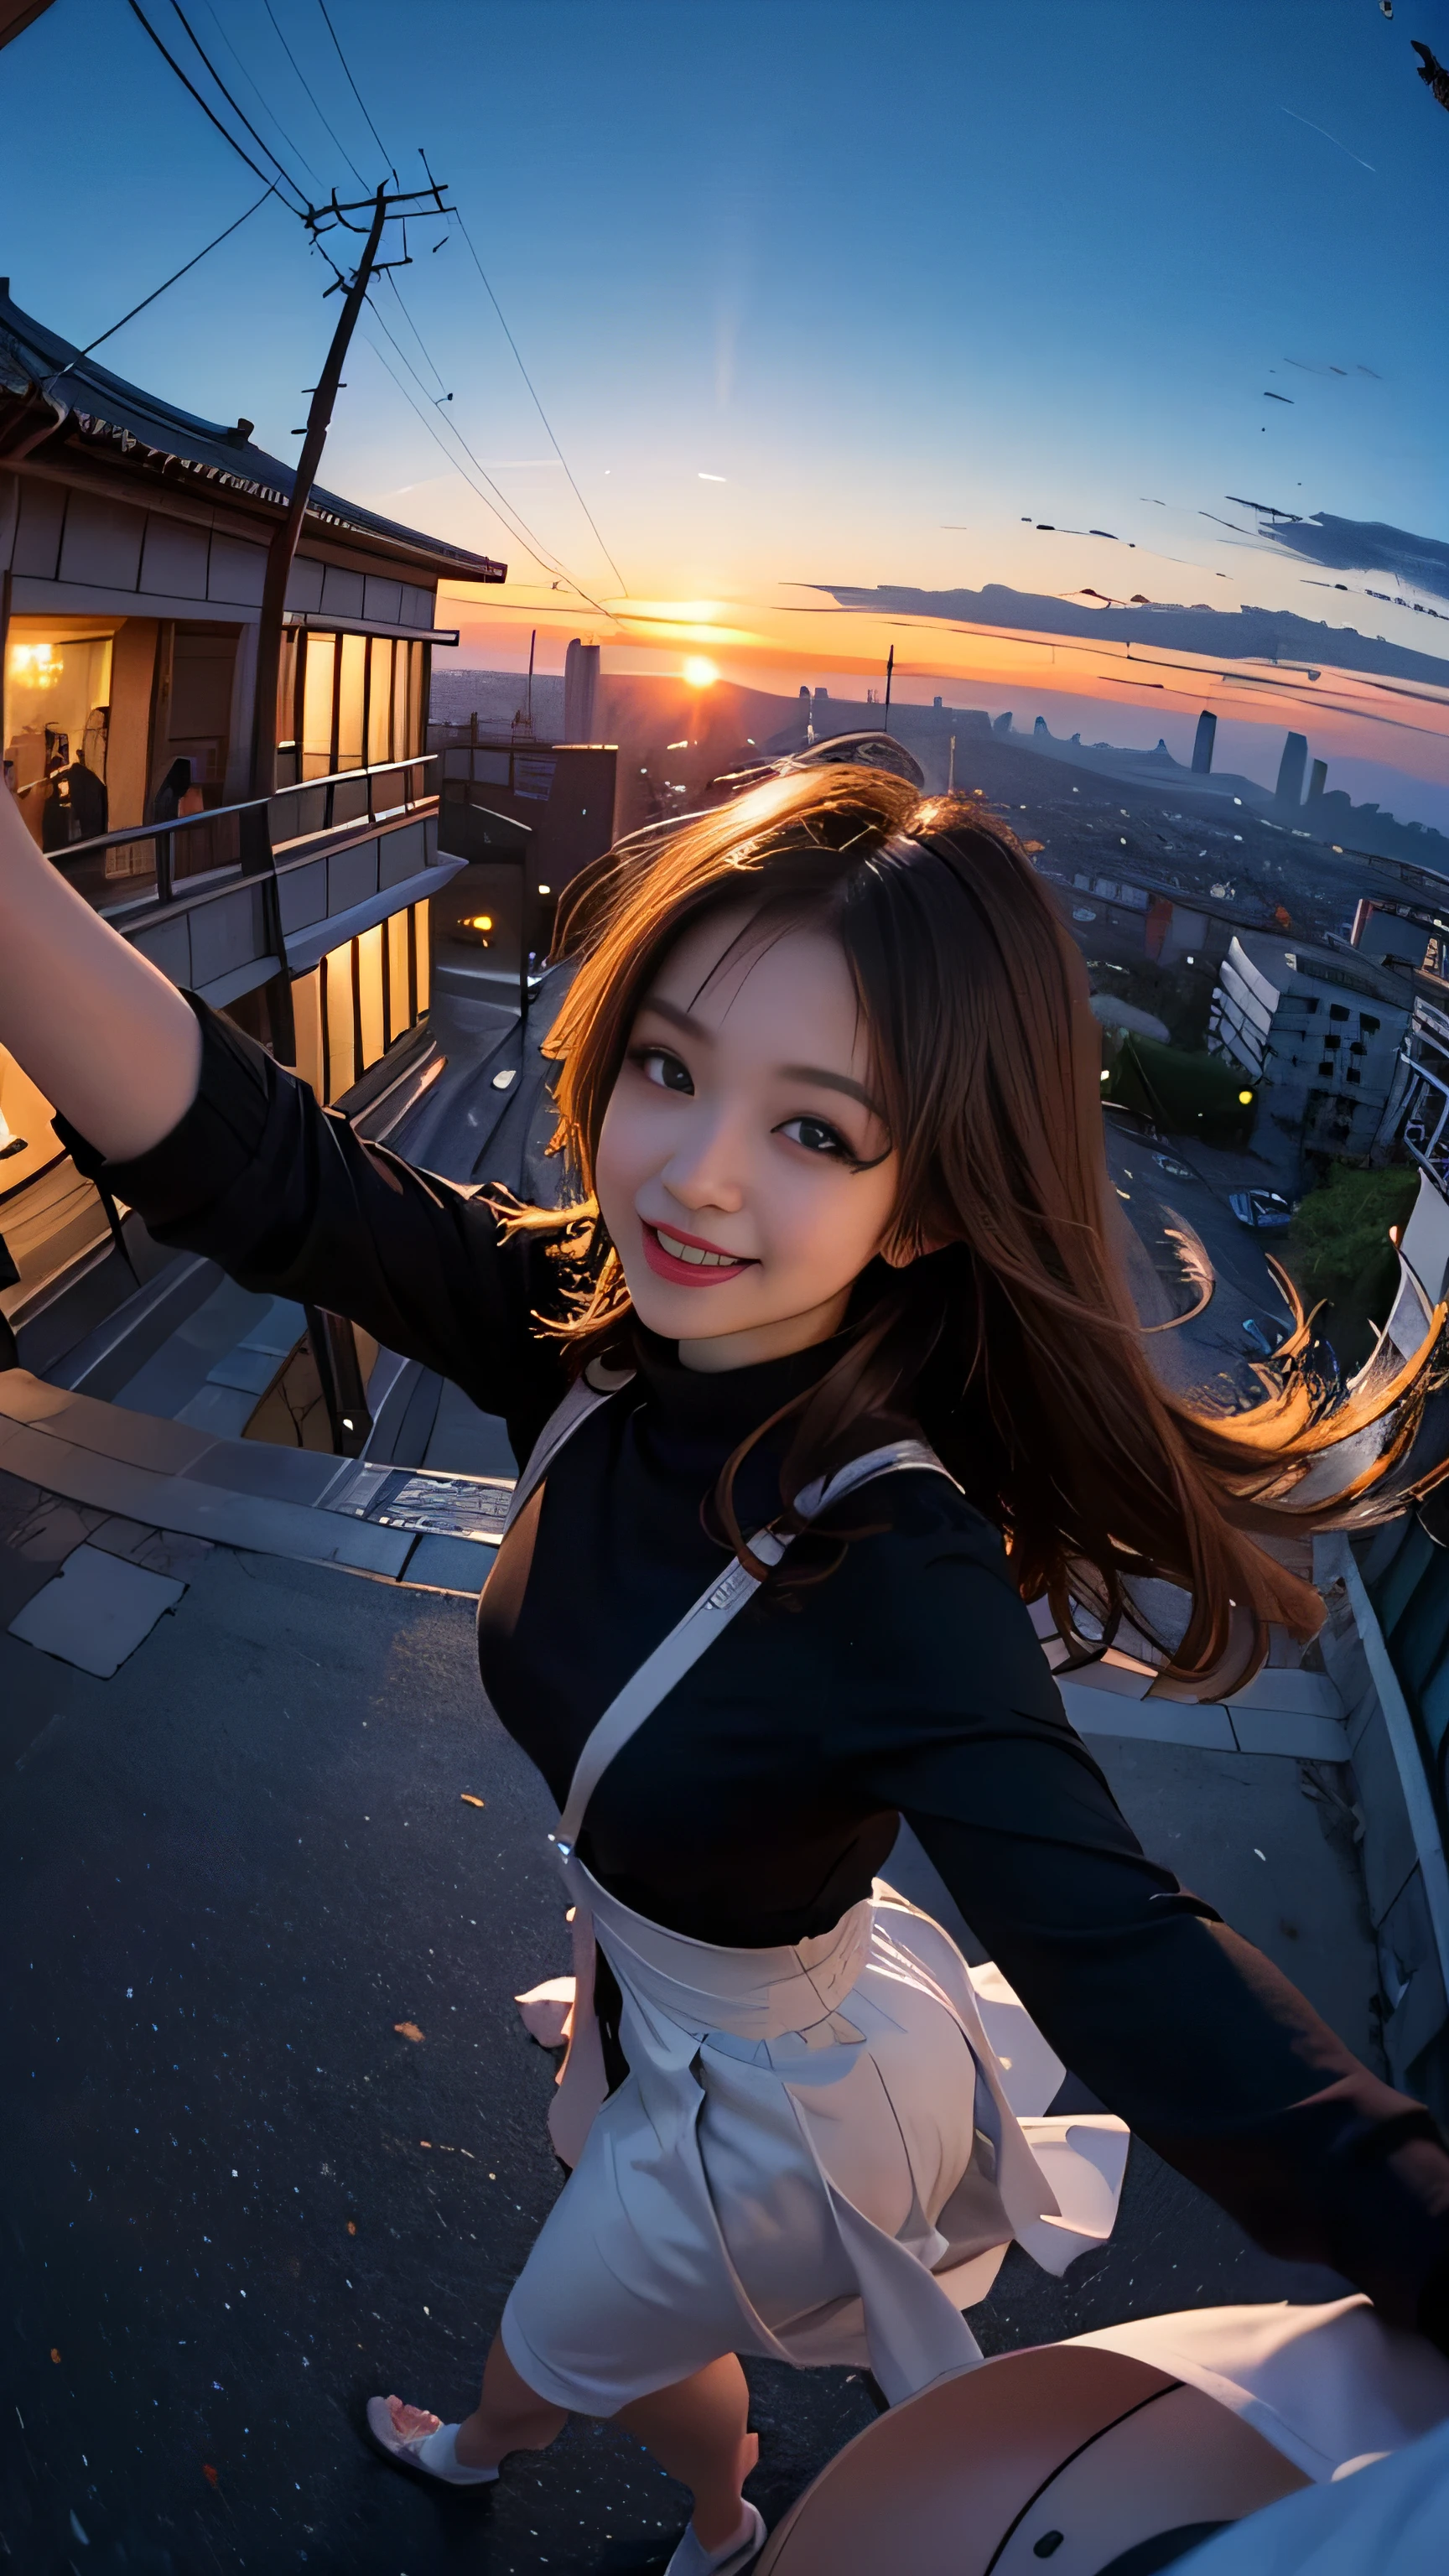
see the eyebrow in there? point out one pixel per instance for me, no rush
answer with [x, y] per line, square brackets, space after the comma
[789, 1072]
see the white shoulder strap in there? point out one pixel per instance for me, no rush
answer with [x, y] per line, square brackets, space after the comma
[582, 1399]
[710, 1615]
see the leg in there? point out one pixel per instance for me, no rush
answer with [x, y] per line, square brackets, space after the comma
[696, 2430]
[508, 2416]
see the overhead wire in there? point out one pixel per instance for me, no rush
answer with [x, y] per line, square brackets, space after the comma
[138, 13]
[356, 92]
[289, 140]
[553, 564]
[538, 407]
[478, 264]
[179, 273]
[444, 395]
[311, 93]
[512, 519]
[200, 51]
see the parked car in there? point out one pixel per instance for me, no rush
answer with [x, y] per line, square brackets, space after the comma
[1175, 1171]
[1260, 1208]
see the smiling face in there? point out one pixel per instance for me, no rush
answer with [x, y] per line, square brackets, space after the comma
[744, 1170]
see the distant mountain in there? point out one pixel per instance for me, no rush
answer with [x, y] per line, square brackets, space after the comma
[1238, 634]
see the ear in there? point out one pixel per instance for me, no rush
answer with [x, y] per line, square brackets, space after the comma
[901, 1255]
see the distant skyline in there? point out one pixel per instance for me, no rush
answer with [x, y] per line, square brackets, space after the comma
[916, 301]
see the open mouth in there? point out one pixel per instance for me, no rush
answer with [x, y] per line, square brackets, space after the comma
[687, 1261]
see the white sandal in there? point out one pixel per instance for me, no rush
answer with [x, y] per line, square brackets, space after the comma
[691, 2558]
[433, 2455]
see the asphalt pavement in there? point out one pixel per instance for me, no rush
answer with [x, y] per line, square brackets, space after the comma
[275, 2136]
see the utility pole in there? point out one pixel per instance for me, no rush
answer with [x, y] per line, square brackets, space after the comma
[890, 668]
[283, 546]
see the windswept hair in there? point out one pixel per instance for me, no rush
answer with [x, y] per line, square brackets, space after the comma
[1013, 1343]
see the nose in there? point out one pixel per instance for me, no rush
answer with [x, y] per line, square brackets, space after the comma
[706, 1169]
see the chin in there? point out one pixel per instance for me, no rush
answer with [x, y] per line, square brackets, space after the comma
[685, 1314]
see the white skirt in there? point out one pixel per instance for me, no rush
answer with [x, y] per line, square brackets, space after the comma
[820, 2154]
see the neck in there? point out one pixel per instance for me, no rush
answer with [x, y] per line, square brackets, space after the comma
[711, 1354]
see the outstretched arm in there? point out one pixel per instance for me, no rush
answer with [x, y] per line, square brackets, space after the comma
[1174, 2021]
[97, 1027]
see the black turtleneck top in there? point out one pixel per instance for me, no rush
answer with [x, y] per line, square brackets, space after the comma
[762, 1795]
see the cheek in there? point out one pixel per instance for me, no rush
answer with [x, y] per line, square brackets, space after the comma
[631, 1146]
[828, 1223]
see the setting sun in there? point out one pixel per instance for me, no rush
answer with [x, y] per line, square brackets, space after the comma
[699, 673]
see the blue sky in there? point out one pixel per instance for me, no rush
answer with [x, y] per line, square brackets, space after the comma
[899, 278]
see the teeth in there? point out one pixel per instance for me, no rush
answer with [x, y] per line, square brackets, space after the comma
[694, 1253]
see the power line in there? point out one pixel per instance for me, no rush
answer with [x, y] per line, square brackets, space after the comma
[505, 510]
[538, 407]
[356, 92]
[417, 335]
[523, 531]
[289, 141]
[209, 113]
[501, 505]
[201, 53]
[311, 93]
[161, 290]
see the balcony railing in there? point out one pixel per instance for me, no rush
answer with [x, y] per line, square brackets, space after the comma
[157, 864]
[253, 894]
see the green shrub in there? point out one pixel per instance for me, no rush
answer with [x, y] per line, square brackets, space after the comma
[1339, 1249]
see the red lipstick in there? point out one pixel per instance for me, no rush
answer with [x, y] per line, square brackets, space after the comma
[711, 1264]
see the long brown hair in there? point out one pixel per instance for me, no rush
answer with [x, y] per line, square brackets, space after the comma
[1014, 1344]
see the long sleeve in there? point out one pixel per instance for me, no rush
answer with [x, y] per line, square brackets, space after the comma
[1176, 2023]
[285, 1197]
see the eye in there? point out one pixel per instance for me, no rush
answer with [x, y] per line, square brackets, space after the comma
[658, 1066]
[817, 1137]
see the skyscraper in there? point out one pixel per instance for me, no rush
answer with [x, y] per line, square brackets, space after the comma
[1291, 768]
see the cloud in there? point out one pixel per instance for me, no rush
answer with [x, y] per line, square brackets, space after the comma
[1367, 545]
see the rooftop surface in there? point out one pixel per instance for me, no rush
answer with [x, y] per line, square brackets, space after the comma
[277, 2139]
[241, 2198]
[98, 409]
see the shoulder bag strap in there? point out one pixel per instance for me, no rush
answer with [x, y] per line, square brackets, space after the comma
[709, 1616]
[582, 1399]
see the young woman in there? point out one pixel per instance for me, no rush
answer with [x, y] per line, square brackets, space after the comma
[828, 1369]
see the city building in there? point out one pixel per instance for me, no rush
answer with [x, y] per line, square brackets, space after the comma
[133, 547]
[1424, 1116]
[1291, 768]
[1321, 1029]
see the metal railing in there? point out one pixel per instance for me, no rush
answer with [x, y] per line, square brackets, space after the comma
[146, 865]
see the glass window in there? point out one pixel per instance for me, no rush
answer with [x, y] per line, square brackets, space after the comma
[369, 981]
[423, 953]
[337, 1005]
[399, 1000]
[352, 673]
[319, 688]
[399, 701]
[379, 701]
[307, 1014]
